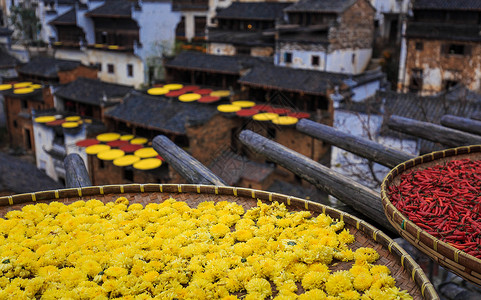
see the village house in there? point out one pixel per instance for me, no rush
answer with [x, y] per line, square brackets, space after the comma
[47, 10]
[80, 106]
[246, 28]
[441, 47]
[284, 86]
[40, 77]
[208, 69]
[331, 36]
[123, 39]
[190, 32]
[55, 139]
[148, 116]
[88, 97]
[206, 134]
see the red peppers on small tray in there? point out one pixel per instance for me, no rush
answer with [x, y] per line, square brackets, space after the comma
[445, 201]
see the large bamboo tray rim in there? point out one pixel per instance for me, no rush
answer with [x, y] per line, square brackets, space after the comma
[459, 262]
[418, 277]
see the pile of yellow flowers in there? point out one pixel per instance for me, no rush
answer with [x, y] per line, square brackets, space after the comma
[91, 250]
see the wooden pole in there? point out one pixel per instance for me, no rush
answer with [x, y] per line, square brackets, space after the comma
[76, 172]
[432, 132]
[187, 166]
[463, 124]
[362, 199]
[376, 152]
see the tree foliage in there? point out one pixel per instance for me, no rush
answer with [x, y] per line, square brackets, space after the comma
[26, 23]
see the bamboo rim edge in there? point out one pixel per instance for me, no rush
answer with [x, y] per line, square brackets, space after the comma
[405, 260]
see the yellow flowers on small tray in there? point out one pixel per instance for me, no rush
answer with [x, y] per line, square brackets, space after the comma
[92, 250]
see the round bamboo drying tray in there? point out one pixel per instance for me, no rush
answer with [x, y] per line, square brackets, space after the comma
[407, 273]
[457, 261]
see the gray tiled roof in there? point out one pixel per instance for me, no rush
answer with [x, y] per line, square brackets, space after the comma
[92, 91]
[253, 11]
[161, 113]
[328, 6]
[213, 63]
[47, 66]
[113, 8]
[19, 176]
[7, 60]
[459, 102]
[302, 81]
[447, 4]
[70, 17]
[288, 79]
[247, 38]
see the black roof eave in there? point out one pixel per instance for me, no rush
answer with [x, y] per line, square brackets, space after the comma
[144, 125]
[201, 69]
[457, 38]
[281, 88]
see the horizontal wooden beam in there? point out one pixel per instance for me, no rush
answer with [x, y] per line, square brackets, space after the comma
[187, 166]
[373, 151]
[76, 172]
[432, 132]
[359, 197]
[463, 124]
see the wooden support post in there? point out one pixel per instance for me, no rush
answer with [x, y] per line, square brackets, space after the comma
[76, 172]
[432, 132]
[187, 166]
[376, 152]
[359, 197]
[463, 124]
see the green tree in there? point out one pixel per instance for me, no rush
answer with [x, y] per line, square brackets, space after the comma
[26, 23]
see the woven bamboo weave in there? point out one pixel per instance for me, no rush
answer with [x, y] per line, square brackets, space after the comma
[457, 261]
[407, 273]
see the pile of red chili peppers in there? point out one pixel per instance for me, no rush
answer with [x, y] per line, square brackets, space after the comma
[445, 201]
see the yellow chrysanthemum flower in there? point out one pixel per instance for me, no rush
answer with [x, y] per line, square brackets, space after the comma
[173, 251]
[122, 200]
[362, 281]
[243, 235]
[314, 279]
[259, 286]
[219, 230]
[339, 282]
[380, 269]
[313, 294]
[382, 281]
[366, 254]
[350, 295]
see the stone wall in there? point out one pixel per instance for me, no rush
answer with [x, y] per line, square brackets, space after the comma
[439, 67]
[262, 51]
[19, 123]
[221, 49]
[17, 126]
[80, 71]
[356, 28]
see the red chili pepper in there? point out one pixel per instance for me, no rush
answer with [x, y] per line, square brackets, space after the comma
[444, 200]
